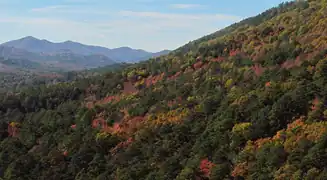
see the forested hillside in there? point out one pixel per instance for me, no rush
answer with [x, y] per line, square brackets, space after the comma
[247, 102]
[22, 75]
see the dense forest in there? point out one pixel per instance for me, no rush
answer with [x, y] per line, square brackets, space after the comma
[17, 80]
[246, 102]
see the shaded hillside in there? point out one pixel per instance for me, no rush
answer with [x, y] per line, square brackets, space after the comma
[14, 53]
[17, 74]
[19, 64]
[106, 69]
[64, 60]
[248, 102]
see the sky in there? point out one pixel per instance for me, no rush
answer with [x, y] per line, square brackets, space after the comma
[152, 25]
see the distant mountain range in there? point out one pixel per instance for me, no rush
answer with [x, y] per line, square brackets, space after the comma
[71, 55]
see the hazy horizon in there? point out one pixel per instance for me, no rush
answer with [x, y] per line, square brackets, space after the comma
[139, 24]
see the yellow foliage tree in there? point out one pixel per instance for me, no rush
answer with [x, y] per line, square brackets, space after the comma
[229, 83]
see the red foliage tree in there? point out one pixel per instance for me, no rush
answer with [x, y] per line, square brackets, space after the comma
[206, 166]
[290, 63]
[65, 153]
[175, 76]
[89, 105]
[121, 145]
[100, 122]
[129, 126]
[268, 84]
[218, 59]
[234, 52]
[198, 65]
[151, 80]
[129, 88]
[109, 99]
[315, 104]
[12, 130]
[258, 69]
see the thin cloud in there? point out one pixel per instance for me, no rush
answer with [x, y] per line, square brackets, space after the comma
[68, 9]
[32, 21]
[49, 8]
[158, 15]
[186, 6]
[132, 25]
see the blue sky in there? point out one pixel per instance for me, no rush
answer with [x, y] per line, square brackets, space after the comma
[152, 25]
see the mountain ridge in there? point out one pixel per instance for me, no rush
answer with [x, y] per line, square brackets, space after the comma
[35, 45]
[67, 53]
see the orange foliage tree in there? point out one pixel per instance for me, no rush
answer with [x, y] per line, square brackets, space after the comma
[289, 138]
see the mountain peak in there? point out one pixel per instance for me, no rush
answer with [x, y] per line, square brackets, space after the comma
[28, 38]
[124, 47]
[69, 42]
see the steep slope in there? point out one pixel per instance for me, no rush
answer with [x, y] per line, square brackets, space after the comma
[248, 102]
[123, 54]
